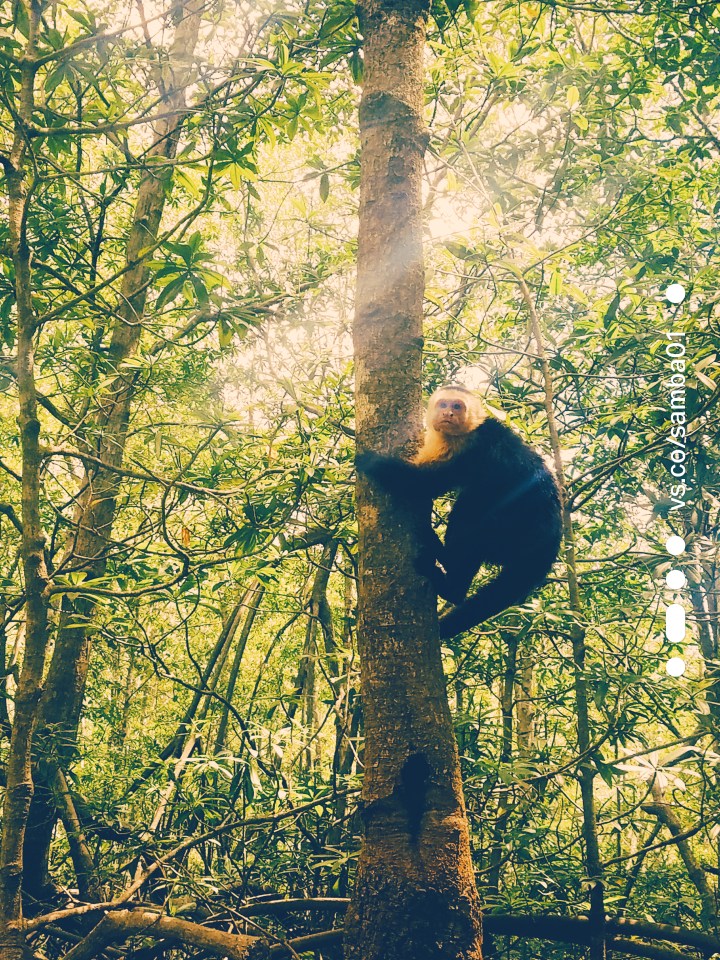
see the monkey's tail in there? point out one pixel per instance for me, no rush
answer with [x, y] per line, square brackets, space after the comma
[510, 587]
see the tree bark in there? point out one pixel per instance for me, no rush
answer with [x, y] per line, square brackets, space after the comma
[18, 767]
[88, 883]
[252, 601]
[119, 926]
[669, 818]
[586, 770]
[525, 694]
[504, 805]
[95, 514]
[415, 894]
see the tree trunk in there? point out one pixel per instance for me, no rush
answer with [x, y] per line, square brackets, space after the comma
[415, 894]
[586, 767]
[525, 694]
[95, 514]
[251, 601]
[504, 805]
[669, 818]
[18, 765]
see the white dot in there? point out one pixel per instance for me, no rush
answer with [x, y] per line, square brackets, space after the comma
[676, 579]
[675, 293]
[675, 545]
[675, 667]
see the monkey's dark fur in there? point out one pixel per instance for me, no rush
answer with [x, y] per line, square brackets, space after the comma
[506, 513]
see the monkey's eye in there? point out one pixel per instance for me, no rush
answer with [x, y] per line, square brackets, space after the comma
[457, 406]
[443, 404]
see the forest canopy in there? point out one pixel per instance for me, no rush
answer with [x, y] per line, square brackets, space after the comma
[181, 714]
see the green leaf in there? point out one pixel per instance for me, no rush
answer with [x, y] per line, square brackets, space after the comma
[556, 284]
[236, 175]
[611, 312]
[55, 78]
[606, 771]
[225, 334]
[356, 66]
[186, 180]
[495, 62]
[170, 291]
[458, 250]
[324, 187]
[20, 18]
[83, 19]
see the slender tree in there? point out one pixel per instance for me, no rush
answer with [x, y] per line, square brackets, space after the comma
[586, 772]
[62, 698]
[18, 765]
[415, 894]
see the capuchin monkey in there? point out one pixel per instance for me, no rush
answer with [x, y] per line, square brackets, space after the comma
[506, 511]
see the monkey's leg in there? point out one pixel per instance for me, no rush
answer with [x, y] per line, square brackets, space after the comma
[512, 585]
[463, 555]
[460, 570]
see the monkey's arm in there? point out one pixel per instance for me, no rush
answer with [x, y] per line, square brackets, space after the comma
[412, 483]
[405, 479]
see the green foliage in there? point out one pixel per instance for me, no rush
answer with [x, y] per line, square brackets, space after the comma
[575, 151]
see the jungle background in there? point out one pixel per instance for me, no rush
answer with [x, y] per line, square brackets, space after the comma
[178, 547]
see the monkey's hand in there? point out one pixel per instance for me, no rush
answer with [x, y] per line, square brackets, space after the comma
[428, 567]
[368, 463]
[393, 475]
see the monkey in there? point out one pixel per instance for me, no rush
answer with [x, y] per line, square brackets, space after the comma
[506, 511]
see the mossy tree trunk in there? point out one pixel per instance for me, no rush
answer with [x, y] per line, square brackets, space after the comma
[415, 894]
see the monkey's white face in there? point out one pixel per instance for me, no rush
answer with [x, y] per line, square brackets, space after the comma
[449, 414]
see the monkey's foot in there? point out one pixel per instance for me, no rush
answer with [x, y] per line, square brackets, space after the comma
[426, 565]
[450, 592]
